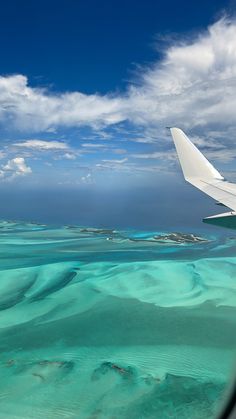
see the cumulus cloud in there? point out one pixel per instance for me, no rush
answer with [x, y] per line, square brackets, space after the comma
[69, 156]
[192, 86]
[14, 168]
[35, 110]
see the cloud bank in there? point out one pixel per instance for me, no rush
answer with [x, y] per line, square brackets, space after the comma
[193, 85]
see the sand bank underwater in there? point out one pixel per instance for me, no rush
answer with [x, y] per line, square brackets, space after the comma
[99, 323]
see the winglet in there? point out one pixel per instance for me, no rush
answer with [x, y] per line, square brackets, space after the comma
[193, 163]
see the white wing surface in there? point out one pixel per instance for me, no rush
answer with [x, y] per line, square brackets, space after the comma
[198, 171]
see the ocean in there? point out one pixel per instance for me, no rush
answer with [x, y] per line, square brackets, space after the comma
[101, 323]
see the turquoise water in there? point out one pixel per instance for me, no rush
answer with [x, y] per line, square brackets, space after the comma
[114, 324]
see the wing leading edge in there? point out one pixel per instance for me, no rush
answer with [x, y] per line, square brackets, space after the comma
[198, 171]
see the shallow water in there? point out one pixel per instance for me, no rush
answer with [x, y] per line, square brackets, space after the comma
[107, 324]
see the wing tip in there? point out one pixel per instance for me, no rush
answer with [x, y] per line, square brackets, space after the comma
[194, 164]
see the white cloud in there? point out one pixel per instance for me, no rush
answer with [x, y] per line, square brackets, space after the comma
[69, 156]
[88, 179]
[159, 155]
[113, 164]
[121, 161]
[42, 145]
[193, 87]
[144, 140]
[14, 168]
[93, 145]
[32, 109]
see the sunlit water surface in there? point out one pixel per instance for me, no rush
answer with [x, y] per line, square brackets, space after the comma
[106, 324]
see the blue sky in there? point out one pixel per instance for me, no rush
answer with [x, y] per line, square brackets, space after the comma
[91, 46]
[86, 91]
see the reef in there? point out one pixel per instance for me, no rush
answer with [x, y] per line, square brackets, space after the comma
[180, 238]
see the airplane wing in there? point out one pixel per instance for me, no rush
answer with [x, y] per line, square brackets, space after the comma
[198, 171]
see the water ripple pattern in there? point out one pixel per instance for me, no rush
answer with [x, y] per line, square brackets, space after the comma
[99, 323]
